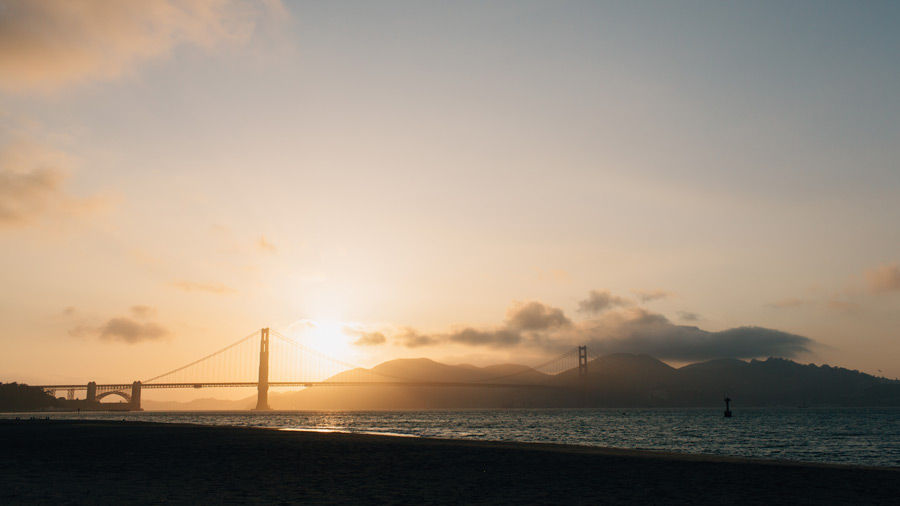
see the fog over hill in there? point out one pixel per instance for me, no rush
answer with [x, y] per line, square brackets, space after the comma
[614, 380]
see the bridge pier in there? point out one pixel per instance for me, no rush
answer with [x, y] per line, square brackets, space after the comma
[92, 392]
[262, 386]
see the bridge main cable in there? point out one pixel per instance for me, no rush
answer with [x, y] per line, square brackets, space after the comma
[195, 362]
[335, 360]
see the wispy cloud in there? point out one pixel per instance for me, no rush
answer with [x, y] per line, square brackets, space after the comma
[843, 306]
[32, 184]
[688, 316]
[884, 279]
[265, 245]
[788, 303]
[370, 339]
[599, 301]
[51, 44]
[411, 338]
[651, 295]
[554, 275]
[190, 286]
[131, 331]
[143, 312]
[365, 338]
[534, 315]
[136, 328]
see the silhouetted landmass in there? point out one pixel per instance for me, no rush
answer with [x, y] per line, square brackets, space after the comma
[616, 380]
[21, 397]
[417, 397]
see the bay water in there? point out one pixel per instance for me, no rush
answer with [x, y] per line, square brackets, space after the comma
[859, 436]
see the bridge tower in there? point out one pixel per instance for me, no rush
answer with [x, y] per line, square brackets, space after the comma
[582, 372]
[582, 363]
[136, 396]
[262, 386]
[92, 392]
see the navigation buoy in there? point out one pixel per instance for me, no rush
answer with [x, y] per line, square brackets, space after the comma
[727, 408]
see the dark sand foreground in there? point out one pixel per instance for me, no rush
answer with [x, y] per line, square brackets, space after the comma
[91, 462]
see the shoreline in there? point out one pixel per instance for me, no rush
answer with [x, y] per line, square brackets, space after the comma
[105, 462]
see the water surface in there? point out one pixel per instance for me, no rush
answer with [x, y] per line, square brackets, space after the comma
[832, 435]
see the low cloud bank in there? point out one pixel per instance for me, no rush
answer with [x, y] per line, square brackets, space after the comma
[639, 331]
[132, 329]
[621, 328]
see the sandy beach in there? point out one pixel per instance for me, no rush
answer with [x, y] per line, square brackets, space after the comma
[91, 462]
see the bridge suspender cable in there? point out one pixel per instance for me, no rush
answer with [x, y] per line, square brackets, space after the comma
[195, 362]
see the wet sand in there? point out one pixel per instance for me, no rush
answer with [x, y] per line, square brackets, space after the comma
[91, 462]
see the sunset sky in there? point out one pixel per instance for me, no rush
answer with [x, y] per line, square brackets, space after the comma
[473, 182]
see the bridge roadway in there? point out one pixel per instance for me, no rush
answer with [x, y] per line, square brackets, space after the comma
[99, 391]
[123, 386]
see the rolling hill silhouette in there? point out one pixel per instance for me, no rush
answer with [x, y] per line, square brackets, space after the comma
[417, 397]
[615, 380]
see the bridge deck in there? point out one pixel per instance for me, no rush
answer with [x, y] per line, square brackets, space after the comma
[253, 384]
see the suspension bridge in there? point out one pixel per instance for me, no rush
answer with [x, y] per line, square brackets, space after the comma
[284, 362]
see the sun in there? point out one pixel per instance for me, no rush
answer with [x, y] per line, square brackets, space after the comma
[328, 337]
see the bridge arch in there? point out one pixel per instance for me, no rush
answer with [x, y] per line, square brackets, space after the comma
[114, 392]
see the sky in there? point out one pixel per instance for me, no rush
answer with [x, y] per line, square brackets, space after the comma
[472, 182]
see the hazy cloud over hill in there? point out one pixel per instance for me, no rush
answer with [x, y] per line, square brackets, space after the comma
[626, 329]
[639, 331]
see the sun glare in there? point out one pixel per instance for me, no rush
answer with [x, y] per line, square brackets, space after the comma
[324, 336]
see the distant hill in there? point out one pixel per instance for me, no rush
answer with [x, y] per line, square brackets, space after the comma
[417, 397]
[615, 380]
[780, 382]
